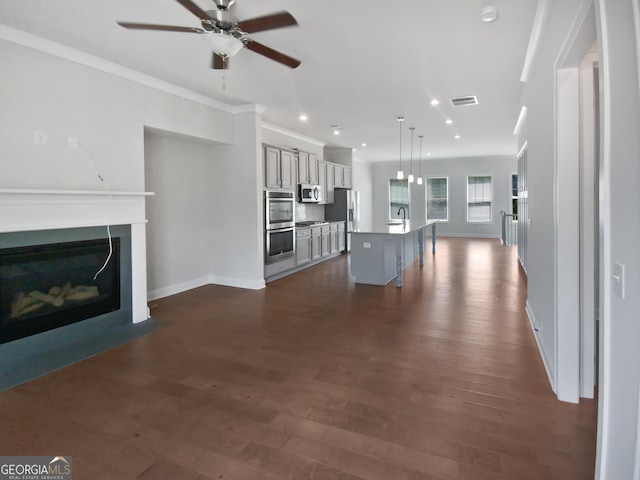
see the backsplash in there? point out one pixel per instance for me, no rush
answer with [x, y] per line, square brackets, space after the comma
[307, 211]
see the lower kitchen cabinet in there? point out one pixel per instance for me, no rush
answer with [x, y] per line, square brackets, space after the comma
[342, 239]
[314, 245]
[325, 240]
[303, 246]
[333, 238]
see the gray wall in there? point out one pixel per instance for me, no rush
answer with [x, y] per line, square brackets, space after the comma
[456, 170]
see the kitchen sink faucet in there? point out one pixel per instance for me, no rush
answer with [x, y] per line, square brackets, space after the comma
[404, 214]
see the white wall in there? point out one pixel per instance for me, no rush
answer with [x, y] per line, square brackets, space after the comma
[620, 236]
[457, 170]
[179, 232]
[237, 207]
[362, 181]
[104, 112]
[108, 115]
[620, 223]
[539, 98]
[343, 156]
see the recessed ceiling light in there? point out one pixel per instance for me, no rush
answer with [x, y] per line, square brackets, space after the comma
[449, 121]
[364, 144]
[489, 14]
[336, 132]
[428, 154]
[303, 117]
[435, 102]
[457, 137]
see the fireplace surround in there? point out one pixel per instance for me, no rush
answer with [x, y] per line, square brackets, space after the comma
[39, 217]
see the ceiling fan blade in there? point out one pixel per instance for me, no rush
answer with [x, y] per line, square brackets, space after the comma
[219, 62]
[166, 28]
[272, 54]
[268, 22]
[195, 9]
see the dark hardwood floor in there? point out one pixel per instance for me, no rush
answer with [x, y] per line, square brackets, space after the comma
[316, 377]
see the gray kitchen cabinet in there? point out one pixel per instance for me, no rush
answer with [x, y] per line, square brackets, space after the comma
[316, 243]
[307, 168]
[322, 181]
[342, 176]
[303, 246]
[341, 238]
[330, 182]
[313, 169]
[278, 168]
[333, 238]
[303, 167]
[325, 240]
[287, 166]
[346, 177]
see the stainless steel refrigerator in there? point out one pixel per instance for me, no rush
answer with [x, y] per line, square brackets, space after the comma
[345, 208]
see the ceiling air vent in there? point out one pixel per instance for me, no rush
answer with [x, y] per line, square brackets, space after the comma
[463, 101]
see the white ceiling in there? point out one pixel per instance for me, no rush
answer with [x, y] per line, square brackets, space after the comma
[364, 62]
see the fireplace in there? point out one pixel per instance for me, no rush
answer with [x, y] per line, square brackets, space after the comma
[43, 287]
[72, 221]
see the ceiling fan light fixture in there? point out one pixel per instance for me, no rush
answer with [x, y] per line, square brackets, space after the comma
[223, 44]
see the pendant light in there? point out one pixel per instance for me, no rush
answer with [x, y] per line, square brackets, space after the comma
[400, 174]
[411, 177]
[420, 162]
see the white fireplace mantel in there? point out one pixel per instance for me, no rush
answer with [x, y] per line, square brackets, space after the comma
[26, 210]
[23, 210]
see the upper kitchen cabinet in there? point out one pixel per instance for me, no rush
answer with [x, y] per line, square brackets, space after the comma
[342, 176]
[279, 168]
[328, 195]
[308, 168]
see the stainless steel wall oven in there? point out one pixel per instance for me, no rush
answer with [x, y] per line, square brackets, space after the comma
[279, 219]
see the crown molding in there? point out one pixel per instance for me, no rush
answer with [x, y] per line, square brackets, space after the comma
[291, 133]
[59, 50]
[540, 21]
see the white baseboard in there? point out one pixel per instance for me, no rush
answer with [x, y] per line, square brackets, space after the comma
[209, 279]
[238, 282]
[178, 288]
[537, 333]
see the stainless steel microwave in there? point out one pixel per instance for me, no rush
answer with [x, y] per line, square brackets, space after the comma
[309, 193]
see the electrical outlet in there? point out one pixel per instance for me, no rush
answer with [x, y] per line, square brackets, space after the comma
[40, 138]
[366, 245]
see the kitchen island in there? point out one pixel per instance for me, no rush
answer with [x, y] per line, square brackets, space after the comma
[381, 254]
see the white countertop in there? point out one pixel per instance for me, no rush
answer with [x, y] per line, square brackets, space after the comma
[401, 228]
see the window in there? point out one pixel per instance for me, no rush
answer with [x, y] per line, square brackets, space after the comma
[479, 199]
[437, 198]
[514, 193]
[398, 198]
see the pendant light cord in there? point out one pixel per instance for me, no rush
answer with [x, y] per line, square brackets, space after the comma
[411, 164]
[420, 161]
[400, 120]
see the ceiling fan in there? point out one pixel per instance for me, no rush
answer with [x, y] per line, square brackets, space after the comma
[226, 35]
